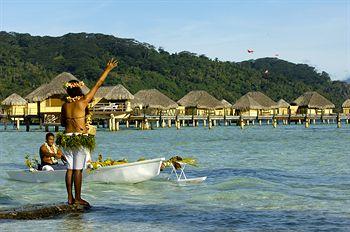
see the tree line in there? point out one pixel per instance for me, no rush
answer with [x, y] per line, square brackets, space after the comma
[28, 61]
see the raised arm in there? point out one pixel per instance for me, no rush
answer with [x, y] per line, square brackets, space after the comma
[110, 65]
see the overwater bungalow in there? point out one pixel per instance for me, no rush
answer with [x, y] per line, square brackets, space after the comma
[48, 98]
[247, 106]
[227, 108]
[346, 107]
[112, 98]
[312, 103]
[282, 107]
[153, 102]
[255, 104]
[14, 105]
[200, 102]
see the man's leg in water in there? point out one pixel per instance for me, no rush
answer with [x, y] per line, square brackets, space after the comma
[78, 177]
[69, 186]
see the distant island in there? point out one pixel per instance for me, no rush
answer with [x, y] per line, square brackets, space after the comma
[28, 61]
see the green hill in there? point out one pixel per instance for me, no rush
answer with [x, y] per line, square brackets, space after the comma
[27, 61]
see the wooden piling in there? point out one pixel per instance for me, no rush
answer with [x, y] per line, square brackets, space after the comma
[169, 123]
[117, 125]
[241, 122]
[27, 120]
[17, 124]
[178, 124]
[274, 122]
[307, 122]
[127, 124]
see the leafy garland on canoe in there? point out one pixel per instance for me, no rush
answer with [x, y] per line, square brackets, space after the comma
[175, 160]
[32, 163]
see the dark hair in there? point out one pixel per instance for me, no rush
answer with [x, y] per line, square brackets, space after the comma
[75, 91]
[49, 135]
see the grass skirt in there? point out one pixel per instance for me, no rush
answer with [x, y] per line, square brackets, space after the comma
[76, 141]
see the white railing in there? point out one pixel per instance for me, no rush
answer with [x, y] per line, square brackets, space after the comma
[102, 107]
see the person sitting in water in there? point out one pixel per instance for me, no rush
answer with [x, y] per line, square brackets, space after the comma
[49, 154]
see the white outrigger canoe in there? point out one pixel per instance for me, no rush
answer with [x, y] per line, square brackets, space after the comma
[123, 173]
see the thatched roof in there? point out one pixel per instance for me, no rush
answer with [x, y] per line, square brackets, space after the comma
[152, 98]
[118, 92]
[30, 97]
[54, 87]
[313, 100]
[246, 102]
[262, 99]
[14, 100]
[254, 101]
[346, 104]
[200, 99]
[282, 104]
[136, 102]
[226, 104]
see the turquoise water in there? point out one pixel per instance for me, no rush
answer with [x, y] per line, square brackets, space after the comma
[259, 179]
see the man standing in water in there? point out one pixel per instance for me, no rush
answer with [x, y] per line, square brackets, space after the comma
[76, 141]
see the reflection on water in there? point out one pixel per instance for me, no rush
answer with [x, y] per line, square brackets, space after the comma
[258, 179]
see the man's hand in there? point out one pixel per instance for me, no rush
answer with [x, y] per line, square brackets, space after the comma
[112, 63]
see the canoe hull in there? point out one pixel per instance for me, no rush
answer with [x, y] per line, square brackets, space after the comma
[36, 177]
[125, 173]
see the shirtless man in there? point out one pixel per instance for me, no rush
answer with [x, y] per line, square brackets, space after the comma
[73, 119]
[49, 152]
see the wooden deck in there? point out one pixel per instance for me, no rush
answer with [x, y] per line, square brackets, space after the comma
[112, 118]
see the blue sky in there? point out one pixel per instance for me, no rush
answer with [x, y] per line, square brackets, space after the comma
[312, 32]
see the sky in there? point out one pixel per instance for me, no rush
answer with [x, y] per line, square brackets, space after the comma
[315, 32]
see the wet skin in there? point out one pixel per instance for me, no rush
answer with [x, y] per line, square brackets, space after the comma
[46, 155]
[73, 119]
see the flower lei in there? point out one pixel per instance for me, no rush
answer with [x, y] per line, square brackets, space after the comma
[73, 85]
[53, 159]
[73, 99]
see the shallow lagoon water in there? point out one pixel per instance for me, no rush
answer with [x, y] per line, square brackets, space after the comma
[261, 178]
